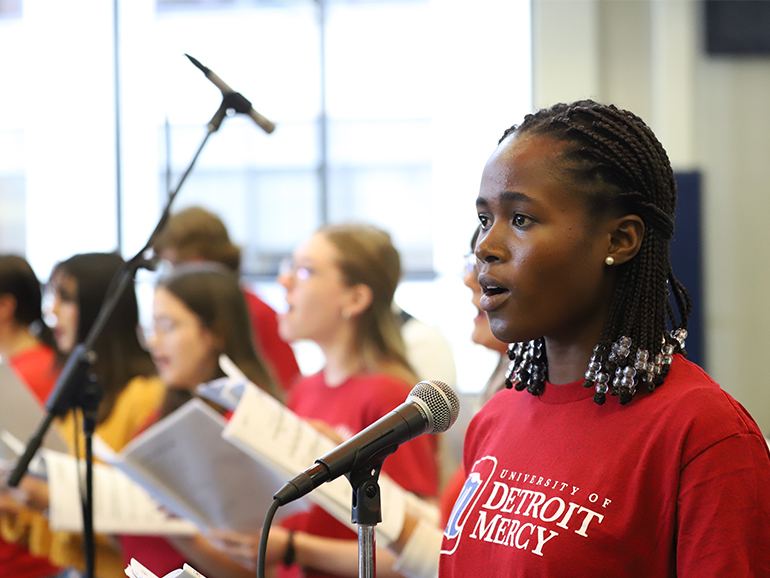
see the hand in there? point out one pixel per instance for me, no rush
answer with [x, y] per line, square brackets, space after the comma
[10, 502]
[32, 493]
[245, 547]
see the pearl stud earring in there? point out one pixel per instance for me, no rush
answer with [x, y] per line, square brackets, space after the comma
[609, 260]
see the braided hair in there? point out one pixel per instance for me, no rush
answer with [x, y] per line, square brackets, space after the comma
[614, 157]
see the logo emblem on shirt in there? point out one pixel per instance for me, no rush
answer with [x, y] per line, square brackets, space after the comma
[474, 485]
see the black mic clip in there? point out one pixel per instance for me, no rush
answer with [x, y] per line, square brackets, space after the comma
[147, 260]
[231, 101]
[367, 507]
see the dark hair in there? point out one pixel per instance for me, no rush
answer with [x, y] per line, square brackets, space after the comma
[195, 234]
[211, 291]
[120, 356]
[619, 165]
[19, 280]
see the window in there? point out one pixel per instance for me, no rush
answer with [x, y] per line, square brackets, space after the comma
[386, 111]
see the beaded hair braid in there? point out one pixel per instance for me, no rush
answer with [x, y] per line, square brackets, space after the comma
[614, 157]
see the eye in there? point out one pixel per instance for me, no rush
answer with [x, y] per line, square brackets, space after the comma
[484, 221]
[304, 273]
[164, 325]
[521, 221]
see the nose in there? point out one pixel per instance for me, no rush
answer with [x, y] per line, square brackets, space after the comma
[54, 308]
[151, 338]
[471, 277]
[286, 279]
[490, 246]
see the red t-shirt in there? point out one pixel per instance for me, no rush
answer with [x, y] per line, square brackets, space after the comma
[349, 408]
[674, 484]
[280, 355]
[37, 368]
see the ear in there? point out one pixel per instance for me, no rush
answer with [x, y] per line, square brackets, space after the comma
[361, 297]
[626, 237]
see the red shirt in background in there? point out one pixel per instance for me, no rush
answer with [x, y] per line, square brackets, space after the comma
[37, 368]
[280, 355]
[349, 408]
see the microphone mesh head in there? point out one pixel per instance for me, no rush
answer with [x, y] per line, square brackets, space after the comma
[442, 403]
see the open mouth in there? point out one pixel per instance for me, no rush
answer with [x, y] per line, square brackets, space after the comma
[493, 294]
[493, 290]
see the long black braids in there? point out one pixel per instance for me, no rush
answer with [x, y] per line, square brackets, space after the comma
[614, 157]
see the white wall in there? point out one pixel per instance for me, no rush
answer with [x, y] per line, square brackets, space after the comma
[69, 129]
[711, 115]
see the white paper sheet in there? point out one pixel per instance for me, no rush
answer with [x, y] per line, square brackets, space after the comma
[136, 570]
[183, 462]
[277, 437]
[120, 505]
[21, 414]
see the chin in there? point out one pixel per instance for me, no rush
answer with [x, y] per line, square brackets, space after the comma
[285, 333]
[176, 386]
[502, 331]
[66, 347]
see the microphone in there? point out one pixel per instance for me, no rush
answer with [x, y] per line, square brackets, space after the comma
[232, 99]
[431, 407]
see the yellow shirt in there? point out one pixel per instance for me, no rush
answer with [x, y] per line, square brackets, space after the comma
[140, 399]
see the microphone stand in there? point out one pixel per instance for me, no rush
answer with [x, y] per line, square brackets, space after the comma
[75, 386]
[367, 513]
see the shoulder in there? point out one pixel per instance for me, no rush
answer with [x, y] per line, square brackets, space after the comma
[690, 395]
[38, 369]
[388, 385]
[36, 354]
[143, 388]
[36, 360]
[696, 411]
[141, 397]
[136, 404]
[685, 416]
[377, 394]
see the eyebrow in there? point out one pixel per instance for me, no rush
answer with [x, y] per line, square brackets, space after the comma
[506, 196]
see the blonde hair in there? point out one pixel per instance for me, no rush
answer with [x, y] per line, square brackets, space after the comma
[366, 255]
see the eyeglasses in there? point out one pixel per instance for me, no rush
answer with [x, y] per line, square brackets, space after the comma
[289, 267]
[470, 263]
[53, 291]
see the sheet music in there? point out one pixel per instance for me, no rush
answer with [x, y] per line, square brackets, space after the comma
[183, 463]
[16, 447]
[277, 437]
[21, 414]
[120, 505]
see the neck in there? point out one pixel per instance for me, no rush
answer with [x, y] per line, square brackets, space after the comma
[341, 355]
[15, 340]
[568, 359]
[567, 364]
[569, 354]
[340, 366]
